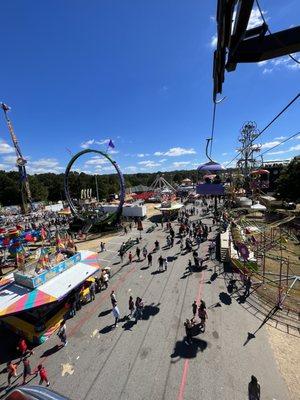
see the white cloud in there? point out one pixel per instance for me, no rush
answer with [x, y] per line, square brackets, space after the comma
[212, 18]
[262, 63]
[224, 154]
[280, 138]
[175, 152]
[149, 163]
[267, 70]
[47, 163]
[178, 164]
[131, 168]
[214, 41]
[96, 160]
[5, 148]
[10, 159]
[87, 143]
[295, 148]
[162, 160]
[268, 145]
[104, 141]
[4, 167]
[255, 18]
[277, 152]
[279, 63]
[291, 149]
[141, 155]
[112, 151]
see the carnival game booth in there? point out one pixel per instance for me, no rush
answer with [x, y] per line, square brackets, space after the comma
[33, 305]
[169, 210]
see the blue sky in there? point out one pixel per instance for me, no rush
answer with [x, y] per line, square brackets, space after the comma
[77, 73]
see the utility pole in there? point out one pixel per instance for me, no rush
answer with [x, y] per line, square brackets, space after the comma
[21, 162]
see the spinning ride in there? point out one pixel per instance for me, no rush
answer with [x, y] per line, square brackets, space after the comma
[94, 214]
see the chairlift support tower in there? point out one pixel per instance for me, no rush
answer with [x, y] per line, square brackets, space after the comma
[20, 162]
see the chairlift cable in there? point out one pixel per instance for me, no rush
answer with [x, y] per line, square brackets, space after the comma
[279, 144]
[212, 128]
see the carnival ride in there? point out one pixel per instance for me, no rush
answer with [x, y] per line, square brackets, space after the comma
[21, 164]
[34, 300]
[94, 214]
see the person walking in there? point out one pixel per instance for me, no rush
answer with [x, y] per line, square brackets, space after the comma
[62, 333]
[23, 347]
[113, 298]
[194, 308]
[131, 306]
[188, 331]
[92, 289]
[202, 314]
[138, 253]
[166, 263]
[105, 279]
[145, 252]
[139, 305]
[116, 314]
[149, 257]
[130, 257]
[43, 375]
[160, 263]
[248, 284]
[12, 371]
[26, 370]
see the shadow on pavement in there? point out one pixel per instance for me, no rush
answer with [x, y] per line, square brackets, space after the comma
[51, 351]
[106, 329]
[184, 350]
[128, 325]
[157, 272]
[225, 298]
[103, 313]
[150, 310]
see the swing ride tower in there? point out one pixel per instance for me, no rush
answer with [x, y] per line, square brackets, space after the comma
[21, 164]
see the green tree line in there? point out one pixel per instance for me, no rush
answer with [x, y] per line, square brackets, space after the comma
[50, 187]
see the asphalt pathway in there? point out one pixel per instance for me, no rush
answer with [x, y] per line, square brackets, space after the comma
[150, 360]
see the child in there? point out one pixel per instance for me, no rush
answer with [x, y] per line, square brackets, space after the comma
[43, 375]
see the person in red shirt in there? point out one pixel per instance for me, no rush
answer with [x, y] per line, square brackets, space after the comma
[23, 348]
[43, 375]
[130, 257]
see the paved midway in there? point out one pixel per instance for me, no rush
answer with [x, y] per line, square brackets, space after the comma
[150, 360]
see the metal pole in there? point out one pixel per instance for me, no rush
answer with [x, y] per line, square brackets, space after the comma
[97, 191]
[287, 271]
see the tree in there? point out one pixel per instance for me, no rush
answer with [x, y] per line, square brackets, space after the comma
[288, 183]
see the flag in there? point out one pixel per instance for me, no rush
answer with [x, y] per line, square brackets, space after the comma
[5, 107]
[111, 144]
